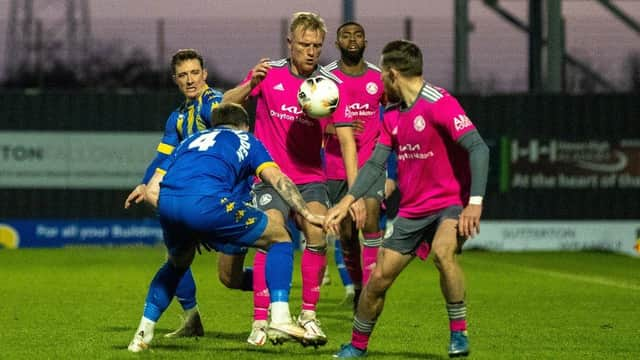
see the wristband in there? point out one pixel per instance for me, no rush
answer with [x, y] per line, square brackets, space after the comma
[475, 200]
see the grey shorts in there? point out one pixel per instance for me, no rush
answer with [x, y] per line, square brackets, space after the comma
[266, 197]
[407, 234]
[338, 189]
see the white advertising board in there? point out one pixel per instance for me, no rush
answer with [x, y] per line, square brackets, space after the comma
[75, 160]
[615, 236]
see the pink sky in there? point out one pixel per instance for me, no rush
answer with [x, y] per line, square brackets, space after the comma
[327, 8]
[496, 48]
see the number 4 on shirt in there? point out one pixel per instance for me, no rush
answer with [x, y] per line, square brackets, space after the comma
[204, 141]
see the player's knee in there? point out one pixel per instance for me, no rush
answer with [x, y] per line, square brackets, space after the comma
[379, 283]
[443, 257]
[372, 225]
[280, 238]
[225, 279]
[181, 261]
[229, 281]
[319, 249]
[316, 240]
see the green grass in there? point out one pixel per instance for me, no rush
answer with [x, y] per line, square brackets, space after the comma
[84, 303]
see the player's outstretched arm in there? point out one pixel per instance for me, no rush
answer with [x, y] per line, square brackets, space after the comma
[289, 192]
[350, 158]
[469, 222]
[240, 93]
[336, 214]
[153, 189]
[136, 196]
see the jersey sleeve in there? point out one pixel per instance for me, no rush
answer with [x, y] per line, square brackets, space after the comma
[388, 128]
[259, 157]
[341, 116]
[169, 141]
[211, 99]
[256, 90]
[449, 115]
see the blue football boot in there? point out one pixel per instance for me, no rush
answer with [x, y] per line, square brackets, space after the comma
[350, 351]
[459, 345]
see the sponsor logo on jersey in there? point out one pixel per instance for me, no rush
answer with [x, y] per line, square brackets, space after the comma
[291, 109]
[461, 121]
[288, 113]
[412, 152]
[409, 147]
[358, 110]
[279, 87]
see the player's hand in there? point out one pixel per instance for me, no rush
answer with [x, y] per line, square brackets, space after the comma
[136, 196]
[317, 220]
[358, 213]
[469, 222]
[260, 71]
[389, 187]
[334, 217]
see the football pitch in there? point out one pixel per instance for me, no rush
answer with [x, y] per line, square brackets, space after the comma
[85, 303]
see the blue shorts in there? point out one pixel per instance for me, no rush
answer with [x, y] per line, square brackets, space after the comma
[231, 249]
[225, 224]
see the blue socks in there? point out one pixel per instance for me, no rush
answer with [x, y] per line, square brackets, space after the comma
[279, 270]
[186, 291]
[161, 291]
[342, 269]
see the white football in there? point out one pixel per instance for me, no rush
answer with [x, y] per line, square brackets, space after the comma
[318, 96]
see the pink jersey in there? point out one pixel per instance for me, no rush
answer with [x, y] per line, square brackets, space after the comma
[433, 170]
[362, 96]
[293, 139]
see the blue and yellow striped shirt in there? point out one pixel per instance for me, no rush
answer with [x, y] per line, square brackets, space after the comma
[190, 117]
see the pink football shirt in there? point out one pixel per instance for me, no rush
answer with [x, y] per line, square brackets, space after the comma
[292, 138]
[362, 96]
[433, 170]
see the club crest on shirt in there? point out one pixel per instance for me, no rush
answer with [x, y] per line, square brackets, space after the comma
[418, 123]
[265, 199]
[371, 88]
